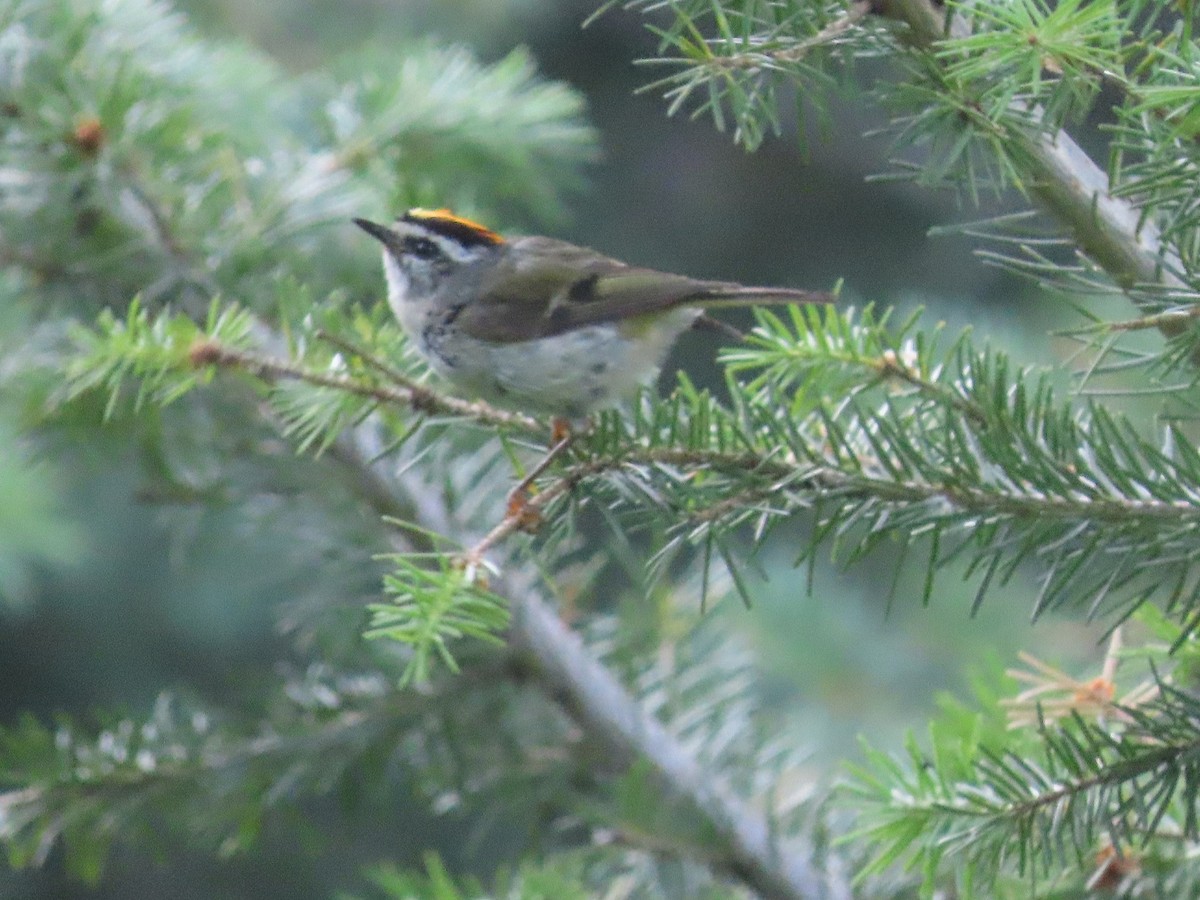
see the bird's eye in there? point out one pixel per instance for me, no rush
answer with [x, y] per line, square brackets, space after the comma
[422, 247]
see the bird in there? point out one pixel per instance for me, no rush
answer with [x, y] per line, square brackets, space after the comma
[540, 325]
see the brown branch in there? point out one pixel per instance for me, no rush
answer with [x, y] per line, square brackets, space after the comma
[411, 395]
[823, 481]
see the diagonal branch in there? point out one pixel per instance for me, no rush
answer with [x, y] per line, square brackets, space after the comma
[561, 666]
[1111, 231]
[554, 659]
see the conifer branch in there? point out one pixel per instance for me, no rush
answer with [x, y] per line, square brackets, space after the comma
[828, 481]
[406, 392]
[548, 654]
[561, 666]
[1090, 784]
[87, 791]
[1110, 230]
[982, 464]
[731, 72]
[1173, 320]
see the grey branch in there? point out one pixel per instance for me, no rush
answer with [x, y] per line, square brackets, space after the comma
[1065, 180]
[562, 667]
[555, 660]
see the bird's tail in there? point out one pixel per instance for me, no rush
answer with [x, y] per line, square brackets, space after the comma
[737, 295]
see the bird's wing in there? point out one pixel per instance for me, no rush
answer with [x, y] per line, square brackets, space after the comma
[544, 287]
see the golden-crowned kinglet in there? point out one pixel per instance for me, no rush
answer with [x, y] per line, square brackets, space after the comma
[537, 324]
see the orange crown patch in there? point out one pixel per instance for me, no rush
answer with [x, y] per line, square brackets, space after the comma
[454, 227]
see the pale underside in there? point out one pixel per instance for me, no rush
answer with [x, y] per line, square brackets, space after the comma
[568, 375]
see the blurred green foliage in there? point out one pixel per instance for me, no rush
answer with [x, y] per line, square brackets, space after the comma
[131, 562]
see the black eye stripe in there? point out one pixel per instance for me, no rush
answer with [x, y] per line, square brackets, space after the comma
[421, 247]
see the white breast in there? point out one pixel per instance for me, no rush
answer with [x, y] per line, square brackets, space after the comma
[567, 375]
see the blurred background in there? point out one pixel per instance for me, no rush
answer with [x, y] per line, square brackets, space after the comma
[150, 596]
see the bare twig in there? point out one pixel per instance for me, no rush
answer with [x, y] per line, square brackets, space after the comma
[410, 394]
[391, 373]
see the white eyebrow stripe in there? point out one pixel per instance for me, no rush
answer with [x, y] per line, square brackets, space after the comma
[449, 247]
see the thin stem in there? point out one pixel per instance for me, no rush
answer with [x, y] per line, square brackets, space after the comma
[389, 372]
[889, 366]
[826, 479]
[412, 395]
[1172, 319]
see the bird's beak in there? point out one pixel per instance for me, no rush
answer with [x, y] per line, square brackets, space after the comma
[381, 233]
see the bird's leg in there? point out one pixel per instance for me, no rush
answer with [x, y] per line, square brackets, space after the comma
[560, 429]
[518, 507]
